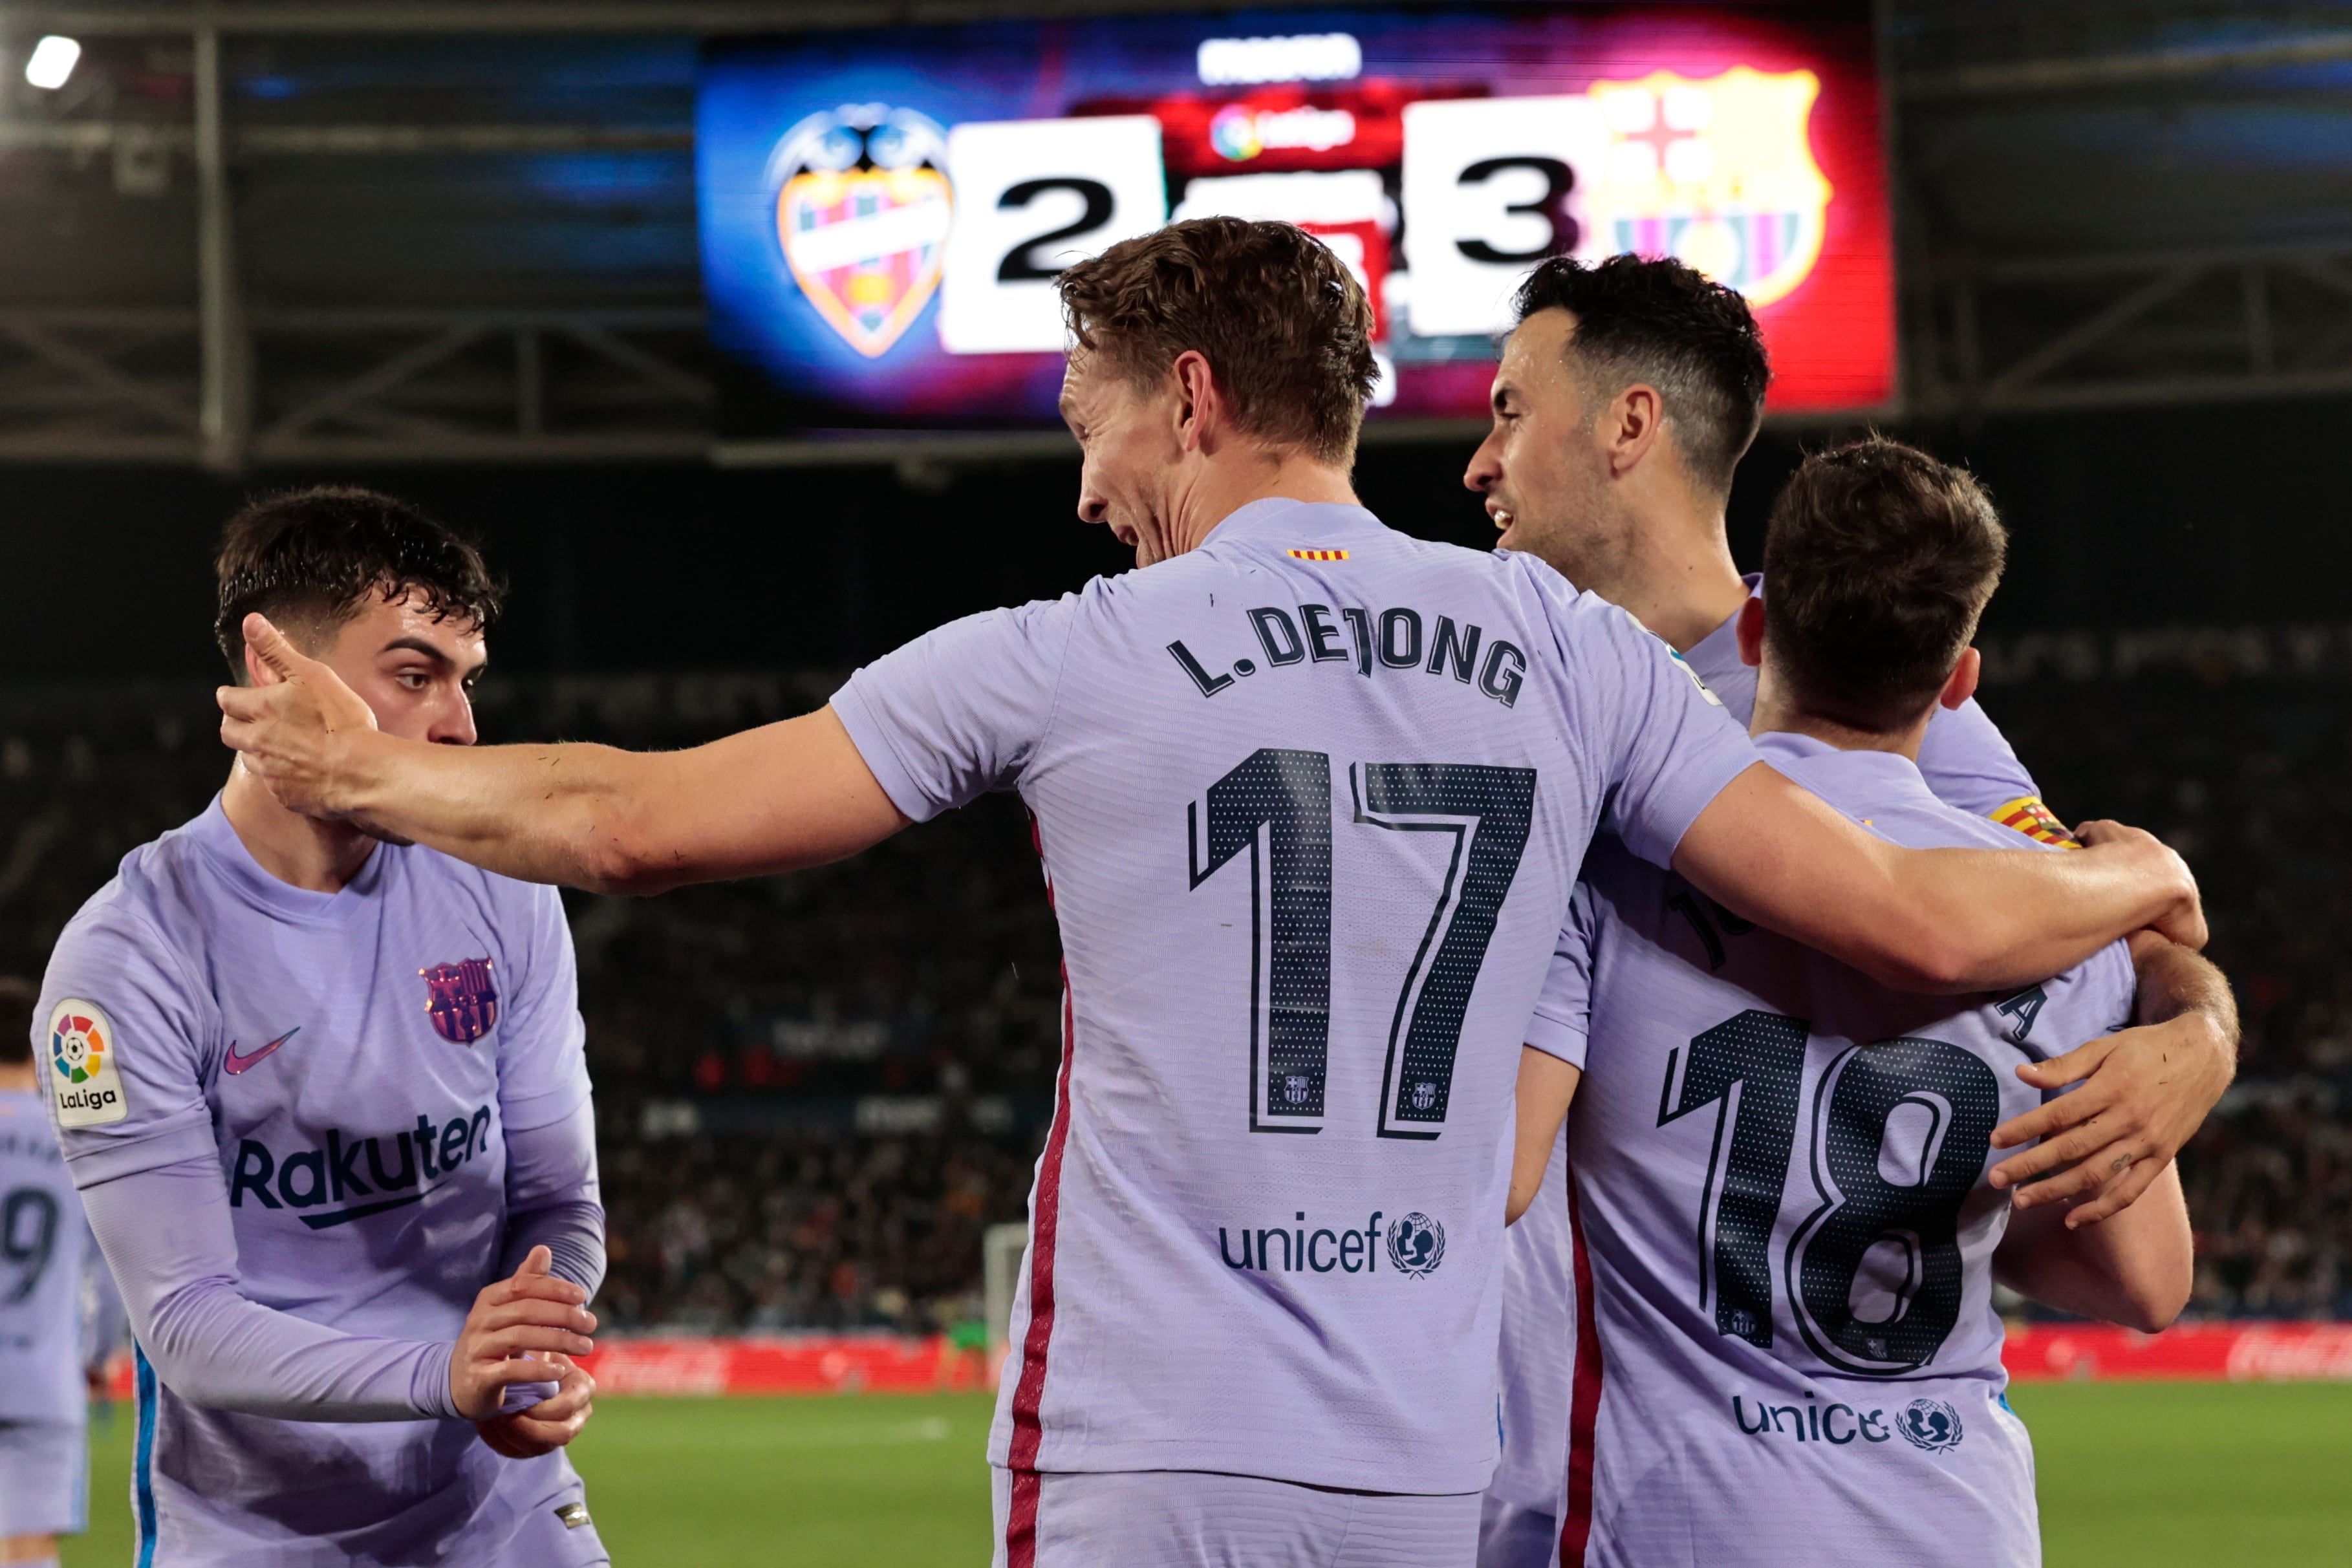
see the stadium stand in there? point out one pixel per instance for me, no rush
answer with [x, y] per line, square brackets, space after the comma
[814, 1092]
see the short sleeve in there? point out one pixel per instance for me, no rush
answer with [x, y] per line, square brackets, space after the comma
[1563, 1016]
[1659, 739]
[1967, 762]
[120, 1037]
[543, 1043]
[959, 711]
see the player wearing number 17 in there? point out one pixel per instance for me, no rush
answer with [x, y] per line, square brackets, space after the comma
[1311, 796]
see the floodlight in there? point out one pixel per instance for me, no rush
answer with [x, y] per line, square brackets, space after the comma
[52, 63]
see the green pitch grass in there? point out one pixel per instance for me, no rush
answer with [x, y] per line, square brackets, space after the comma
[2149, 1474]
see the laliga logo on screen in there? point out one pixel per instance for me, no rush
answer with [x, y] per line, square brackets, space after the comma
[1241, 133]
[1717, 172]
[862, 204]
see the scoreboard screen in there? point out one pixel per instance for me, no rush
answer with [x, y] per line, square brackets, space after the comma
[883, 214]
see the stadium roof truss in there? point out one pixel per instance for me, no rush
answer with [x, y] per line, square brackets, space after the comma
[212, 267]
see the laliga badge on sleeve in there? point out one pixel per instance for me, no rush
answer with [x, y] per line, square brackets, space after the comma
[85, 1077]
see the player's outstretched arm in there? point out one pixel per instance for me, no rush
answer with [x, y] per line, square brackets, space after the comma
[776, 799]
[2145, 1092]
[1929, 920]
[2135, 1270]
[1547, 1088]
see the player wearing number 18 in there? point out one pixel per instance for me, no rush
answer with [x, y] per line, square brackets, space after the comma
[1786, 1233]
[1311, 795]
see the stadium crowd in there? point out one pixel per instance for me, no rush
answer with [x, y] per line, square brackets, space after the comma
[814, 1092]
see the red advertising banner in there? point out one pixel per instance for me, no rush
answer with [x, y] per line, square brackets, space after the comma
[892, 1364]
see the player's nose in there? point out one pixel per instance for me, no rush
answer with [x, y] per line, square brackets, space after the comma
[1484, 469]
[456, 725]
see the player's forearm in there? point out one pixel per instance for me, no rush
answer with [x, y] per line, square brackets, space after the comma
[1922, 920]
[2135, 1268]
[558, 813]
[2004, 917]
[782, 798]
[1547, 1087]
[2175, 984]
[554, 1198]
[167, 1238]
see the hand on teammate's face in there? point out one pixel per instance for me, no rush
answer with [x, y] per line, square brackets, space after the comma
[514, 1322]
[544, 1427]
[2185, 922]
[2145, 1092]
[293, 730]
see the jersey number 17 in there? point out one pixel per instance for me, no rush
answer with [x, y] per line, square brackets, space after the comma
[1277, 806]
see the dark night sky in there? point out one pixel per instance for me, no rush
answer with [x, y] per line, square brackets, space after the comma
[2210, 515]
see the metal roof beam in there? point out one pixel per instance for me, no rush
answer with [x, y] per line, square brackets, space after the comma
[2132, 68]
[697, 18]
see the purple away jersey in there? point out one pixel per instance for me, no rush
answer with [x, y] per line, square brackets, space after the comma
[1777, 1175]
[47, 1263]
[1311, 799]
[343, 1073]
[1968, 763]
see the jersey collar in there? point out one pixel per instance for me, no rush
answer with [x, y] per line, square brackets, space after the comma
[1870, 780]
[1280, 520]
[216, 837]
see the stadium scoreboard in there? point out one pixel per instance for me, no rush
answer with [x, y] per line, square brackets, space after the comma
[883, 214]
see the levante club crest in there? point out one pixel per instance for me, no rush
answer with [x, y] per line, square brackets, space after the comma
[464, 1004]
[862, 211]
[1718, 172]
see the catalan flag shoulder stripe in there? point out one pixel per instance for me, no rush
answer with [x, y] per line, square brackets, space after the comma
[1317, 554]
[2029, 816]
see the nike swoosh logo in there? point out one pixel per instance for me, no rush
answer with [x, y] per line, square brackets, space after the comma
[234, 1064]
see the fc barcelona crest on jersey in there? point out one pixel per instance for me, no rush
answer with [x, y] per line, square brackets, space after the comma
[464, 1004]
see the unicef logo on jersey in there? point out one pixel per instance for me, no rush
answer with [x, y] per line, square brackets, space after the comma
[1416, 1244]
[1930, 1424]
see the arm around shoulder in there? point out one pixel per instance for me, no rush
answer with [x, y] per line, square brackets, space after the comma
[1942, 920]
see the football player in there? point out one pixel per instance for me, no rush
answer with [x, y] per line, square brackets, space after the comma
[1310, 796]
[1785, 1233]
[324, 1094]
[1626, 396]
[60, 1319]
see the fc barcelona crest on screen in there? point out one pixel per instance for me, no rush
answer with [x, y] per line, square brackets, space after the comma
[464, 1004]
[1718, 172]
[862, 209]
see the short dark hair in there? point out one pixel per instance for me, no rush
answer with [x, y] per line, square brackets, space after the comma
[1878, 559]
[18, 998]
[1661, 322]
[310, 559]
[1284, 325]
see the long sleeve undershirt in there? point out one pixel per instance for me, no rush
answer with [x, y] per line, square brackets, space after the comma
[167, 1238]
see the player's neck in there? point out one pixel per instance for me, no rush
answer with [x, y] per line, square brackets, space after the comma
[18, 1076]
[1217, 490]
[1774, 711]
[1683, 584]
[299, 851]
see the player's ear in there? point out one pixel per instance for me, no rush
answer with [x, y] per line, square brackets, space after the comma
[1634, 419]
[1750, 631]
[1962, 684]
[1196, 394]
